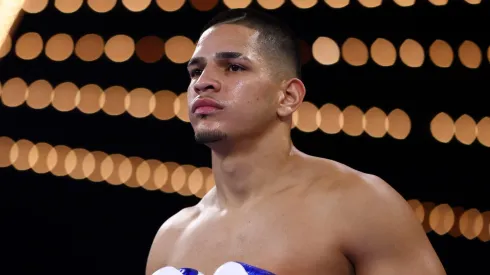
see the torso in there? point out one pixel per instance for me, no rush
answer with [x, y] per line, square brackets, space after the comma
[296, 231]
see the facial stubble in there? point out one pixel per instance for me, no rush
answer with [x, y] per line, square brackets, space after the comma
[208, 136]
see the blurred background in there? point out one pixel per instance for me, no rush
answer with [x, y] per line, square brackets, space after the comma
[96, 151]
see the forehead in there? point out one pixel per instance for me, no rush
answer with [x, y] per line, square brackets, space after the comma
[227, 38]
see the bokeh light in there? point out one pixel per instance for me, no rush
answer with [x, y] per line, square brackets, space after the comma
[68, 6]
[101, 6]
[355, 52]
[34, 6]
[89, 47]
[171, 5]
[179, 49]
[29, 46]
[59, 47]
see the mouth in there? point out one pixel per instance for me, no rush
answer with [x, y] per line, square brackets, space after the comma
[205, 106]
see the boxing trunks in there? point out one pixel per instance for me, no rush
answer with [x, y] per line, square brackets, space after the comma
[229, 268]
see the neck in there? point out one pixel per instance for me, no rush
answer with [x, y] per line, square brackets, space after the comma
[245, 170]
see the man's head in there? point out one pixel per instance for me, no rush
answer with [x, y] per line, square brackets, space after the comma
[247, 64]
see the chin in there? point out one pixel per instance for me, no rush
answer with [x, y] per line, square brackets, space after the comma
[209, 136]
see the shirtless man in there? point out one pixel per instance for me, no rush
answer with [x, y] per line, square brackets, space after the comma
[274, 207]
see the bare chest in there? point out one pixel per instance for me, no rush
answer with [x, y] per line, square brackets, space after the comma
[282, 242]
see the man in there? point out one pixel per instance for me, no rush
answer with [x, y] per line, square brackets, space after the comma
[274, 207]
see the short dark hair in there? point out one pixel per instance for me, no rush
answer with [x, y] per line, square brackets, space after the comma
[276, 37]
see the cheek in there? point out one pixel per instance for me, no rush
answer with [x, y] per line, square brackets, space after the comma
[250, 93]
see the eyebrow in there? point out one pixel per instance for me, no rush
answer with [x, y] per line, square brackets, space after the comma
[219, 55]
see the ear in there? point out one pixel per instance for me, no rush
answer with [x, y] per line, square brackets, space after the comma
[291, 97]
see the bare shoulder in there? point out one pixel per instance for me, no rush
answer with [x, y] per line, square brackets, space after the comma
[356, 188]
[166, 235]
[380, 233]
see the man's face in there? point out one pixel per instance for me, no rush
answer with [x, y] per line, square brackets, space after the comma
[233, 84]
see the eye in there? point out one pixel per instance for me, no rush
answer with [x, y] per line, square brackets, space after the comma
[195, 72]
[235, 68]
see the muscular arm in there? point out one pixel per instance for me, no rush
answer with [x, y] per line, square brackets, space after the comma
[384, 237]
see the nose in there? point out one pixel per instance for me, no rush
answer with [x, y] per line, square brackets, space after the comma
[206, 83]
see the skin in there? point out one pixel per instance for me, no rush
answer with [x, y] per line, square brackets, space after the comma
[273, 206]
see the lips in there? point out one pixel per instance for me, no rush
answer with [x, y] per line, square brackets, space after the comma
[205, 105]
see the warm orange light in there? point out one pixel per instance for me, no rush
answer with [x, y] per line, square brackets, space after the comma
[179, 49]
[150, 49]
[442, 127]
[6, 145]
[14, 92]
[101, 6]
[114, 100]
[92, 165]
[68, 6]
[119, 48]
[412, 53]
[29, 46]
[441, 219]
[136, 5]
[304, 4]
[307, 117]
[170, 5]
[326, 51]
[90, 47]
[405, 3]
[483, 131]
[337, 4]
[383, 52]
[441, 53]
[40, 94]
[65, 97]
[164, 105]
[353, 121]
[465, 129]
[38, 157]
[332, 119]
[439, 2]
[237, 4]
[470, 54]
[34, 6]
[91, 99]
[59, 47]
[140, 102]
[374, 122]
[271, 4]
[158, 174]
[181, 107]
[370, 3]
[398, 124]
[355, 52]
[19, 154]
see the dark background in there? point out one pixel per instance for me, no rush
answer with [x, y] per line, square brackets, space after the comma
[58, 225]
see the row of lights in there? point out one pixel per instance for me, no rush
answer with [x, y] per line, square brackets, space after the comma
[91, 47]
[455, 221]
[356, 53]
[103, 6]
[465, 129]
[187, 180]
[351, 120]
[179, 49]
[165, 105]
[91, 98]
[98, 166]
